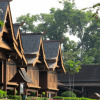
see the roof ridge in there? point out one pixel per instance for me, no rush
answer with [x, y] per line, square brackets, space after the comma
[31, 33]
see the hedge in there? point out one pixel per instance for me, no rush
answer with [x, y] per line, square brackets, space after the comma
[70, 98]
[36, 98]
[3, 94]
[17, 97]
[68, 94]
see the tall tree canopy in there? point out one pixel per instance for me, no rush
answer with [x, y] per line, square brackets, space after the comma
[57, 22]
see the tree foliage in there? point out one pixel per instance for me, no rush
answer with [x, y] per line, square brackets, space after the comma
[91, 41]
[68, 94]
[57, 22]
[72, 67]
[29, 23]
[1, 23]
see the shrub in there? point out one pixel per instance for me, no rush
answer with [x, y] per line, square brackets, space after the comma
[86, 98]
[1, 94]
[58, 97]
[17, 97]
[68, 94]
[70, 98]
[4, 94]
[65, 98]
[44, 98]
[32, 93]
[36, 98]
[43, 94]
[11, 92]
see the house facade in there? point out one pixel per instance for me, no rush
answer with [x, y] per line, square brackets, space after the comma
[52, 50]
[34, 54]
[10, 55]
[23, 59]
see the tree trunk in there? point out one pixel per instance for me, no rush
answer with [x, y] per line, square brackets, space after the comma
[69, 82]
[73, 82]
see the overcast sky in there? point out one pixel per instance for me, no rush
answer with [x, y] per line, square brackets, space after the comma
[22, 7]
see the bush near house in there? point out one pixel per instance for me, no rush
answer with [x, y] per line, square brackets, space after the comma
[71, 98]
[37, 98]
[43, 94]
[68, 94]
[3, 94]
[11, 92]
[33, 94]
[15, 97]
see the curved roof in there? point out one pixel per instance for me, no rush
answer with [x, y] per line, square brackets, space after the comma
[53, 54]
[32, 45]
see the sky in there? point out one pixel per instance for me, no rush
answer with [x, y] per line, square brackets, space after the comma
[22, 7]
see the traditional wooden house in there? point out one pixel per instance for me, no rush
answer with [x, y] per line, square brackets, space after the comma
[34, 54]
[48, 79]
[87, 81]
[25, 53]
[10, 54]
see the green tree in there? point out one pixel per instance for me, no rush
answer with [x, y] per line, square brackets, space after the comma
[72, 67]
[57, 22]
[91, 40]
[29, 23]
[69, 45]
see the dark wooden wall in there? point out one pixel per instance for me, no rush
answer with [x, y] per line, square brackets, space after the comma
[1, 72]
[43, 79]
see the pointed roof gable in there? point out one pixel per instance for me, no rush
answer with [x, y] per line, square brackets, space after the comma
[5, 16]
[52, 50]
[7, 31]
[33, 48]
